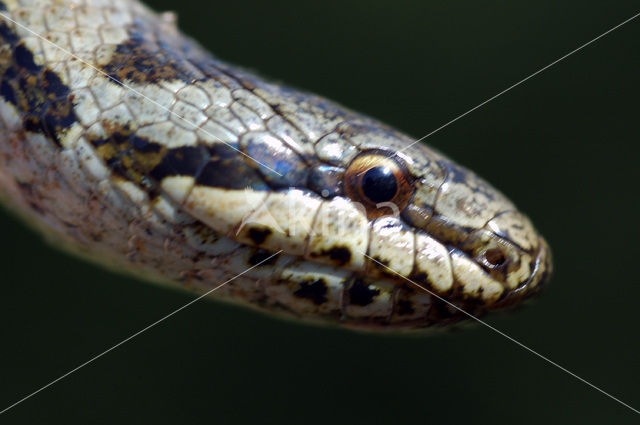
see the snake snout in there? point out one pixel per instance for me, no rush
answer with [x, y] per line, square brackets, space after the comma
[511, 252]
[496, 255]
[541, 268]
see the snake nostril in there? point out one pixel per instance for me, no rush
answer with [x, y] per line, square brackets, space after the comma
[494, 257]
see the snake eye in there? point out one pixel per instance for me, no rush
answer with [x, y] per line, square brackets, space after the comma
[379, 182]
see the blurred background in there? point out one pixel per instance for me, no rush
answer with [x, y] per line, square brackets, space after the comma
[562, 146]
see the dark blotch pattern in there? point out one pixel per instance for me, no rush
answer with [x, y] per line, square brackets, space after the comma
[120, 154]
[38, 93]
[150, 55]
[404, 308]
[7, 92]
[57, 116]
[24, 58]
[420, 277]
[382, 265]
[315, 291]
[340, 254]
[8, 36]
[440, 312]
[360, 293]
[259, 235]
[144, 146]
[153, 54]
[53, 85]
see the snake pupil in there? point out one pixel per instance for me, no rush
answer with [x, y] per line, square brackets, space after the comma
[379, 184]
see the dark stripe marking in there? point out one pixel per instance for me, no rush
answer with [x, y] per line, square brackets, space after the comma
[227, 169]
[182, 161]
[38, 93]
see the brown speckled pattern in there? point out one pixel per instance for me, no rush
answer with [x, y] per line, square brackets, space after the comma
[136, 152]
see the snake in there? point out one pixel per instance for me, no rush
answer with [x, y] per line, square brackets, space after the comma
[125, 142]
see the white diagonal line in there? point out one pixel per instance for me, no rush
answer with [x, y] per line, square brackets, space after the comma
[521, 81]
[499, 332]
[129, 338]
[79, 59]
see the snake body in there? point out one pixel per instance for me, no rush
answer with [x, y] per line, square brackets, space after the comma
[125, 141]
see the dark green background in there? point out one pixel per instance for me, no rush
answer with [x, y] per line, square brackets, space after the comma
[562, 146]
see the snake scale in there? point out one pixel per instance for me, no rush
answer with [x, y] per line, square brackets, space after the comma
[124, 141]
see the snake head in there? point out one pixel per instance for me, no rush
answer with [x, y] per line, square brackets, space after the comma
[497, 257]
[407, 235]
